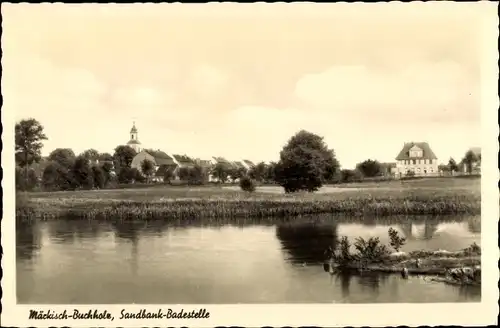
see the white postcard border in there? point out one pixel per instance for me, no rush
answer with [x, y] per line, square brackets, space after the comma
[466, 314]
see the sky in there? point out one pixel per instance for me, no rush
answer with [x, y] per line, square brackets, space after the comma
[239, 80]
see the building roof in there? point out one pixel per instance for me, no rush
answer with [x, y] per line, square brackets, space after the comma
[133, 142]
[161, 158]
[405, 152]
[239, 165]
[248, 162]
[184, 159]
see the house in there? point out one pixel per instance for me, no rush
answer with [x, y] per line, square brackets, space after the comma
[183, 161]
[163, 163]
[416, 158]
[388, 169]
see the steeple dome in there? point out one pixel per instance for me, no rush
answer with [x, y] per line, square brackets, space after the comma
[134, 129]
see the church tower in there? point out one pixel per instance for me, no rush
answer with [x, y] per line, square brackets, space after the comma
[134, 139]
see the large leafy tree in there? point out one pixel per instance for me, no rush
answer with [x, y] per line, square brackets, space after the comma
[258, 172]
[82, 173]
[64, 156]
[147, 168]
[305, 163]
[221, 172]
[369, 168]
[123, 157]
[469, 159]
[90, 154]
[452, 165]
[29, 137]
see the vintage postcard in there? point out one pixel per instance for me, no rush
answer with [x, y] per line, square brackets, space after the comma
[250, 165]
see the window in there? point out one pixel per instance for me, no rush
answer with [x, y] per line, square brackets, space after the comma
[430, 161]
[414, 161]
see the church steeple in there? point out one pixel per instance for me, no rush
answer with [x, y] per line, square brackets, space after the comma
[134, 139]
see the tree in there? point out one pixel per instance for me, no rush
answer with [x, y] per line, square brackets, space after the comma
[452, 165]
[123, 157]
[396, 241]
[64, 156]
[369, 168]
[26, 183]
[270, 175]
[105, 157]
[247, 184]
[126, 175]
[348, 176]
[304, 163]
[57, 177]
[99, 177]
[107, 167]
[258, 172]
[183, 173]
[197, 175]
[90, 154]
[29, 138]
[469, 160]
[82, 173]
[238, 173]
[167, 172]
[221, 172]
[147, 168]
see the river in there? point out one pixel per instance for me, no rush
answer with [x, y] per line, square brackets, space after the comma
[85, 262]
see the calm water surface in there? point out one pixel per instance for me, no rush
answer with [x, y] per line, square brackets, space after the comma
[84, 262]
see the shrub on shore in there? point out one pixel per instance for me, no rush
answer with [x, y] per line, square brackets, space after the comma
[247, 184]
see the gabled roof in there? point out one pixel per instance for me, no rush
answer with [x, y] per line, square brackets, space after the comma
[161, 158]
[426, 149]
[184, 159]
[239, 165]
[248, 162]
[221, 160]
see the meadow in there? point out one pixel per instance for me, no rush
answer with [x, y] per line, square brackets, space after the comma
[433, 196]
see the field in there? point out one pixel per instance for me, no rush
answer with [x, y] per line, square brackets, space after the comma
[433, 196]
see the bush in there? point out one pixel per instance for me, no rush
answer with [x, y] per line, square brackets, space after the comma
[396, 241]
[247, 184]
[371, 250]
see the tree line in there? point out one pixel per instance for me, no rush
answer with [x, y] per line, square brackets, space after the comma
[305, 163]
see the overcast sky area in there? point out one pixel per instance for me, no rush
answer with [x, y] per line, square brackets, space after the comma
[240, 83]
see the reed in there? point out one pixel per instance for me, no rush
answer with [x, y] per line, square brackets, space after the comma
[258, 207]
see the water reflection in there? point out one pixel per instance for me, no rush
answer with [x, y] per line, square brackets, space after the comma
[306, 243]
[172, 262]
[27, 239]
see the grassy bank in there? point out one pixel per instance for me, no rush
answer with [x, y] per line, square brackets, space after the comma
[459, 268]
[415, 197]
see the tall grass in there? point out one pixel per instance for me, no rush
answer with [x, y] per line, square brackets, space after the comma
[248, 208]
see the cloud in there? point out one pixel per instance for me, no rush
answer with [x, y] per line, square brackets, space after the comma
[424, 92]
[207, 80]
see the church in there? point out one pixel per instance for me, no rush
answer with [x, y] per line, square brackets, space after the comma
[134, 139]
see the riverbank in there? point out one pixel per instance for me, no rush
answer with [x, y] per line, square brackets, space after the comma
[419, 197]
[457, 268]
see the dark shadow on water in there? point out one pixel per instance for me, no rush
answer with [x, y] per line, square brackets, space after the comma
[371, 280]
[27, 240]
[307, 243]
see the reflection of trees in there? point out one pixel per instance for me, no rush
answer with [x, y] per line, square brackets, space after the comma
[130, 231]
[372, 280]
[406, 228]
[306, 243]
[68, 231]
[474, 224]
[27, 239]
[429, 229]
